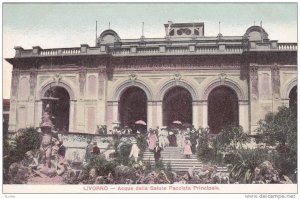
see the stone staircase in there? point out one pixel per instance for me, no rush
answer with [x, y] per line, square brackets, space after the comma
[175, 157]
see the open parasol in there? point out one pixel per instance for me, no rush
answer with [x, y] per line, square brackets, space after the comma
[177, 122]
[141, 122]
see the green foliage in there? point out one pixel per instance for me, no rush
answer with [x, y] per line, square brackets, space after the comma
[244, 162]
[24, 140]
[142, 143]
[148, 166]
[159, 166]
[169, 167]
[204, 152]
[14, 149]
[280, 130]
[232, 138]
[102, 166]
[122, 151]
[122, 155]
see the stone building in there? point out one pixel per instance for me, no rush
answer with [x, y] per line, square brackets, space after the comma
[187, 76]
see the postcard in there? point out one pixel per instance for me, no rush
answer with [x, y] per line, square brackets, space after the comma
[150, 98]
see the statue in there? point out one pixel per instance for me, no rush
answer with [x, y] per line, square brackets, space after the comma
[46, 145]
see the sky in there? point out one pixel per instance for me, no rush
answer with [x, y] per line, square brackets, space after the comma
[55, 25]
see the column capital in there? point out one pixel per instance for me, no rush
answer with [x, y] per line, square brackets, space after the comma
[243, 102]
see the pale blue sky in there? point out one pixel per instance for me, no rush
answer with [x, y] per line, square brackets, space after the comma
[69, 25]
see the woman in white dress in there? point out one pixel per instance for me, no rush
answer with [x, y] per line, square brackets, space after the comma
[180, 139]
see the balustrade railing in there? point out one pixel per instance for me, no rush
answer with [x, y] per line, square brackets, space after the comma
[148, 51]
[287, 46]
[63, 51]
[153, 50]
[121, 51]
[177, 50]
[208, 49]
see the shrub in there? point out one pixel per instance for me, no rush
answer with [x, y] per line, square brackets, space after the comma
[102, 166]
[244, 162]
[122, 156]
[232, 138]
[280, 130]
[142, 143]
[204, 152]
[14, 150]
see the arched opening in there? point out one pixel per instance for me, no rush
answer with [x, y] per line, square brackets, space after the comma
[60, 106]
[177, 105]
[293, 98]
[132, 106]
[223, 108]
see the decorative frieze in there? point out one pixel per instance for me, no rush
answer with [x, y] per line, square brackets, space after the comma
[183, 66]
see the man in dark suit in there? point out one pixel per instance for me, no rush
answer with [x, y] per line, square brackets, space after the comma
[157, 154]
[96, 149]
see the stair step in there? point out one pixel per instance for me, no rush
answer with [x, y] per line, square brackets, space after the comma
[178, 161]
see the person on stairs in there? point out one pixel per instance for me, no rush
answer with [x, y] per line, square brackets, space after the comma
[157, 153]
[187, 148]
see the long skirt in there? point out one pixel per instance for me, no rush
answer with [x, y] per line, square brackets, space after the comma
[187, 150]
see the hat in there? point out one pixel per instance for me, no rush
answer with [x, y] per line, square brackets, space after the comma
[171, 133]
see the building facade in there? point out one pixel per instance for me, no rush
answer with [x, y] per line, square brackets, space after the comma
[185, 76]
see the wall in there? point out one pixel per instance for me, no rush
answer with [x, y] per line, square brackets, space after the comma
[270, 87]
[156, 83]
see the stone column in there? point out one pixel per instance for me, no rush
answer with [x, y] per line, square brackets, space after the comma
[72, 116]
[243, 115]
[115, 111]
[38, 112]
[82, 81]
[159, 115]
[109, 115]
[275, 81]
[149, 114]
[205, 114]
[12, 116]
[30, 112]
[101, 102]
[154, 114]
[253, 82]
[196, 107]
[15, 84]
[80, 125]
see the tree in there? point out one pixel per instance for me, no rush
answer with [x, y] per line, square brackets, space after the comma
[232, 138]
[279, 130]
[14, 149]
[204, 152]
